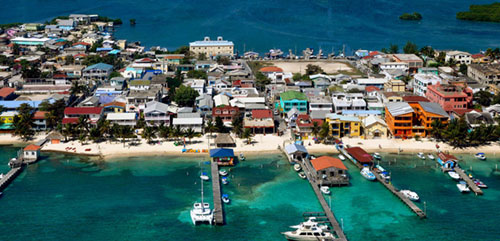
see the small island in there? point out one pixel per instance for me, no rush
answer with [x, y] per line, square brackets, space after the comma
[484, 13]
[411, 16]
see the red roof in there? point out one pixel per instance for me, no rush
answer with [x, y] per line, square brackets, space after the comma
[81, 43]
[6, 91]
[373, 53]
[59, 76]
[415, 98]
[82, 110]
[79, 55]
[368, 57]
[360, 155]
[324, 162]
[32, 148]
[237, 83]
[476, 56]
[144, 60]
[271, 69]
[461, 112]
[40, 115]
[174, 57]
[69, 121]
[371, 88]
[262, 114]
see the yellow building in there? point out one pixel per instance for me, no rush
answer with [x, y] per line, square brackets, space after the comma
[374, 127]
[212, 48]
[394, 85]
[7, 117]
[343, 126]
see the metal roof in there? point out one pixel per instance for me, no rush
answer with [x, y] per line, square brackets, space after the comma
[433, 108]
[399, 108]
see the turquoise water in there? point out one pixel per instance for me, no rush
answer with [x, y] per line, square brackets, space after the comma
[68, 197]
[263, 24]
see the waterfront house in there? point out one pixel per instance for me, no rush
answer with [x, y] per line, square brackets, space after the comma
[343, 126]
[373, 127]
[475, 119]
[359, 155]
[157, 113]
[398, 116]
[320, 103]
[304, 126]
[260, 121]
[296, 151]
[66, 24]
[212, 48]
[221, 100]
[447, 161]
[54, 137]
[123, 119]
[137, 99]
[329, 171]
[414, 62]
[7, 117]
[224, 140]
[223, 156]
[293, 99]
[189, 120]
[226, 113]
[451, 97]
[40, 120]
[421, 81]
[204, 104]
[31, 152]
[348, 101]
[100, 71]
[71, 114]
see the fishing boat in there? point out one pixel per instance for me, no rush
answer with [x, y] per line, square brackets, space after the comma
[302, 175]
[308, 230]
[204, 176]
[297, 167]
[421, 155]
[454, 175]
[242, 157]
[430, 156]
[410, 195]
[225, 198]
[325, 190]
[376, 155]
[201, 212]
[480, 156]
[479, 183]
[462, 187]
[225, 180]
[341, 157]
[366, 173]
[222, 172]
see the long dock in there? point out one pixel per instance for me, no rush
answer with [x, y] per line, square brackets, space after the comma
[468, 180]
[218, 210]
[389, 186]
[9, 177]
[306, 166]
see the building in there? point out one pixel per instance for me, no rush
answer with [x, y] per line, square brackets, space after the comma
[114, 107]
[394, 85]
[291, 99]
[475, 119]
[157, 113]
[189, 121]
[122, 119]
[100, 71]
[414, 62]
[403, 66]
[399, 118]
[40, 120]
[348, 101]
[223, 156]
[224, 140]
[373, 127]
[31, 152]
[320, 103]
[377, 82]
[29, 41]
[55, 137]
[484, 73]
[212, 48]
[226, 113]
[329, 171]
[421, 81]
[459, 57]
[428, 70]
[304, 126]
[343, 126]
[450, 97]
[71, 114]
[7, 93]
[359, 155]
[260, 121]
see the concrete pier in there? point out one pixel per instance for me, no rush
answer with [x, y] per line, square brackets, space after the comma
[9, 177]
[468, 180]
[218, 210]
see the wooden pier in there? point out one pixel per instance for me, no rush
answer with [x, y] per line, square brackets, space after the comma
[468, 180]
[9, 177]
[307, 168]
[218, 210]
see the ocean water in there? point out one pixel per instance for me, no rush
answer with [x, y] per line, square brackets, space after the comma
[263, 24]
[144, 198]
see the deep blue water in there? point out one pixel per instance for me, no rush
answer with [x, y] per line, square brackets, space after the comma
[263, 24]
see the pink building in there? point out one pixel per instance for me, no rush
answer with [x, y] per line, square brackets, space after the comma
[450, 97]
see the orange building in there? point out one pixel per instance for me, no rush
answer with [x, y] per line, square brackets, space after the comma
[415, 119]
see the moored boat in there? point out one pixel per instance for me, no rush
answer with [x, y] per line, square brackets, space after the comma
[341, 157]
[430, 156]
[242, 157]
[204, 176]
[410, 195]
[222, 172]
[308, 230]
[376, 155]
[480, 156]
[385, 175]
[201, 212]
[421, 155]
[366, 173]
[225, 180]
[325, 190]
[479, 183]
[225, 198]
[1, 175]
[302, 175]
[462, 187]
[454, 175]
[297, 167]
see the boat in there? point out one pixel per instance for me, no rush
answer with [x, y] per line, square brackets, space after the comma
[341, 157]
[225, 198]
[480, 156]
[454, 175]
[204, 176]
[1, 175]
[222, 172]
[380, 168]
[462, 186]
[410, 195]
[385, 175]
[242, 157]
[201, 212]
[325, 190]
[367, 174]
[308, 230]
[430, 156]
[376, 155]
[302, 175]
[479, 183]
[421, 155]
[297, 167]
[225, 180]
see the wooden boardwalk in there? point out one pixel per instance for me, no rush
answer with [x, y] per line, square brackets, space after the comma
[9, 177]
[218, 210]
[307, 168]
[468, 180]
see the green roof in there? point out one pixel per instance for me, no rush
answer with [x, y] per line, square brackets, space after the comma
[291, 94]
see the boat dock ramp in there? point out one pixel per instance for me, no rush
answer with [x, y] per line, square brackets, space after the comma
[450, 163]
[468, 180]
[218, 210]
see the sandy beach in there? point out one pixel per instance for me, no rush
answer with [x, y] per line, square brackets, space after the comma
[301, 66]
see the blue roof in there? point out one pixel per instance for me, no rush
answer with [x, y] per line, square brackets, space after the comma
[221, 152]
[103, 49]
[114, 51]
[13, 104]
[361, 112]
[99, 66]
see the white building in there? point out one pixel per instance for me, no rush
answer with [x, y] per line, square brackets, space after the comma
[348, 101]
[123, 119]
[212, 48]
[395, 66]
[320, 103]
[421, 81]
[459, 57]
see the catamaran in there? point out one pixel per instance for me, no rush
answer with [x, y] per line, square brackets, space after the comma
[308, 230]
[201, 212]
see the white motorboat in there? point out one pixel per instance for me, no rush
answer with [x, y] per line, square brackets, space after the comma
[454, 175]
[1, 175]
[204, 177]
[376, 155]
[421, 155]
[302, 175]
[479, 183]
[297, 167]
[368, 174]
[430, 156]
[242, 157]
[201, 212]
[380, 168]
[462, 186]
[225, 198]
[225, 180]
[410, 195]
[480, 156]
[222, 172]
[308, 230]
[386, 176]
[341, 157]
[325, 190]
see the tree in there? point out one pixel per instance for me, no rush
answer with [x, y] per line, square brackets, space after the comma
[132, 21]
[325, 130]
[149, 133]
[185, 96]
[393, 49]
[441, 58]
[315, 129]
[247, 134]
[190, 134]
[219, 125]
[16, 50]
[237, 124]
[410, 48]
[197, 74]
[55, 112]
[437, 129]
[427, 51]
[202, 56]
[76, 88]
[177, 132]
[23, 122]
[313, 69]
[69, 60]
[296, 77]
[261, 80]
[95, 134]
[223, 60]
[210, 127]
[483, 98]
[114, 74]
[463, 69]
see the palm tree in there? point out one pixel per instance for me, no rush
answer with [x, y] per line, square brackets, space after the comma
[94, 134]
[66, 131]
[325, 130]
[177, 132]
[83, 123]
[437, 129]
[247, 134]
[315, 129]
[190, 133]
[210, 127]
[149, 133]
[104, 127]
[164, 131]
